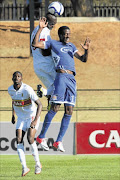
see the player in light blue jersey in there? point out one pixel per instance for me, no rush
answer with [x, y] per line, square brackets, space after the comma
[64, 85]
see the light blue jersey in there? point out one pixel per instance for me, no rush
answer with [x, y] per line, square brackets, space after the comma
[62, 54]
[64, 84]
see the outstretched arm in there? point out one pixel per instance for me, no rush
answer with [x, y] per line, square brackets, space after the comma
[83, 57]
[36, 43]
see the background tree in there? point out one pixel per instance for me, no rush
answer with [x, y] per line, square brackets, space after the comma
[83, 8]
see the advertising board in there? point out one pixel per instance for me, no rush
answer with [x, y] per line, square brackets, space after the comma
[8, 143]
[98, 138]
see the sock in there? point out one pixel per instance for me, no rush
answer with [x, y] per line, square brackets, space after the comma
[48, 118]
[21, 154]
[35, 154]
[64, 126]
[44, 91]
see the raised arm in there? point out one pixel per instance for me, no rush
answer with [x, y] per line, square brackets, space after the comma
[36, 43]
[83, 57]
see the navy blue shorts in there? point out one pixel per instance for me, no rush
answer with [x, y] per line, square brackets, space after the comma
[65, 89]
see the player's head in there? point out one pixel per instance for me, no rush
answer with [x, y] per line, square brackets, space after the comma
[64, 34]
[17, 78]
[51, 19]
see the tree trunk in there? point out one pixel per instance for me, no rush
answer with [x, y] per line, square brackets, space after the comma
[83, 8]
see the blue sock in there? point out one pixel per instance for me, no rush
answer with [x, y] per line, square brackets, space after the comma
[64, 126]
[48, 118]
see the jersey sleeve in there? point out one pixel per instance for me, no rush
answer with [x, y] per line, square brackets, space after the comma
[32, 94]
[10, 91]
[74, 49]
[47, 44]
[34, 34]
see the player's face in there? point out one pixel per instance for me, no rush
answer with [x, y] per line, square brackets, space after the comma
[51, 24]
[17, 79]
[65, 37]
[52, 20]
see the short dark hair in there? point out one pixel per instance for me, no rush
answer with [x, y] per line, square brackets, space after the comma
[61, 29]
[17, 72]
[50, 17]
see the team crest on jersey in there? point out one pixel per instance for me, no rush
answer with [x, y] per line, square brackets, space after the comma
[54, 97]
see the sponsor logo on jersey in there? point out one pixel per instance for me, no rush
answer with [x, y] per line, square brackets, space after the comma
[65, 49]
[22, 103]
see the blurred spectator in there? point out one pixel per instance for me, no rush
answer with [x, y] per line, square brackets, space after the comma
[1, 7]
[37, 5]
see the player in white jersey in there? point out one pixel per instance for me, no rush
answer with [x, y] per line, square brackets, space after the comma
[65, 83]
[42, 61]
[24, 101]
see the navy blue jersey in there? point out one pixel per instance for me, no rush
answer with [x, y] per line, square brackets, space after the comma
[62, 54]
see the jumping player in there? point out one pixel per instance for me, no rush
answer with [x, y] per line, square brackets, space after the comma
[42, 60]
[65, 84]
[28, 118]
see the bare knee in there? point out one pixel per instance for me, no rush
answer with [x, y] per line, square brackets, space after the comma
[30, 139]
[69, 110]
[55, 107]
[19, 136]
[19, 140]
[31, 135]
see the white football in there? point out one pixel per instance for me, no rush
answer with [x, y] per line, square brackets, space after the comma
[56, 8]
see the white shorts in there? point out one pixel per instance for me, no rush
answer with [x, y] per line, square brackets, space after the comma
[46, 78]
[24, 124]
[44, 68]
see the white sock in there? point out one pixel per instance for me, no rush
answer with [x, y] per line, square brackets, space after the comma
[35, 154]
[44, 91]
[21, 154]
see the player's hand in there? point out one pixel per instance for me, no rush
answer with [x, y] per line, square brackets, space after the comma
[86, 44]
[43, 22]
[13, 119]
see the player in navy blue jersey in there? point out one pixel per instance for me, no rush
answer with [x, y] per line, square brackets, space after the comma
[63, 52]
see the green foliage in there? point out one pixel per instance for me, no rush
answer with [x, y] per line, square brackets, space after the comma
[67, 1]
[63, 167]
[106, 1]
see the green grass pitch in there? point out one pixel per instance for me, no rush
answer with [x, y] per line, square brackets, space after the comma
[63, 167]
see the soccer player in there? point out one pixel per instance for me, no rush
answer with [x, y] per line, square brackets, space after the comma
[42, 60]
[63, 52]
[28, 118]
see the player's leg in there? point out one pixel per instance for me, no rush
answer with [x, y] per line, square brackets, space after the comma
[65, 122]
[69, 102]
[47, 121]
[56, 98]
[30, 136]
[20, 133]
[63, 128]
[20, 149]
[47, 80]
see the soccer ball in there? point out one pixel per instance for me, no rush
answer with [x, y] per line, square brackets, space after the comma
[56, 8]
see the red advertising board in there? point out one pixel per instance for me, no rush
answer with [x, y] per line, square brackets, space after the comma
[98, 138]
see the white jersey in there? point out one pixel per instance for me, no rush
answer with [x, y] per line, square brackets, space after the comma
[44, 66]
[38, 58]
[23, 101]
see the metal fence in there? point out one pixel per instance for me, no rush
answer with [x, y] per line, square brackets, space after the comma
[21, 11]
[91, 105]
[112, 10]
